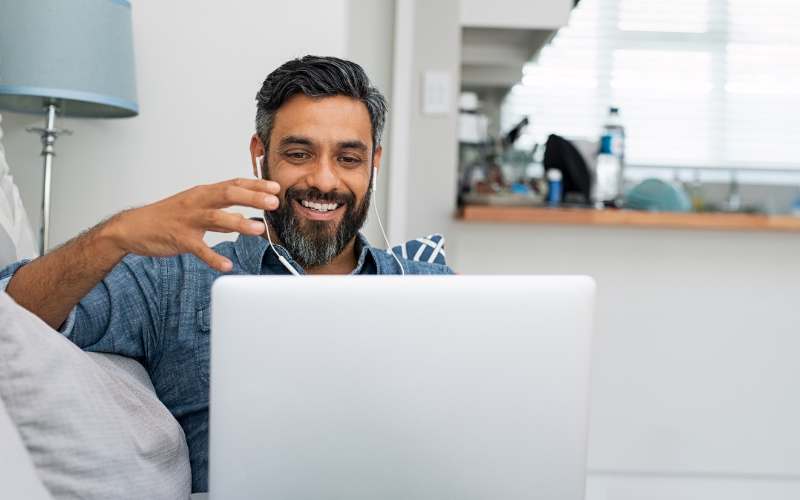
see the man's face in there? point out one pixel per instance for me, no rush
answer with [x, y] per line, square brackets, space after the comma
[320, 153]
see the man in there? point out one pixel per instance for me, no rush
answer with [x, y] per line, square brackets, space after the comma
[139, 283]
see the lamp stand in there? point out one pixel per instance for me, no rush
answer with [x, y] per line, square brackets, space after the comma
[49, 135]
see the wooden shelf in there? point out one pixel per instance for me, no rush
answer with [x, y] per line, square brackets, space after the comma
[590, 217]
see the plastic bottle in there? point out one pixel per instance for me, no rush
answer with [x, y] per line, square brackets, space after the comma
[554, 177]
[610, 163]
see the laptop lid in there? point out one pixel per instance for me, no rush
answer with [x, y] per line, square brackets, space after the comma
[400, 387]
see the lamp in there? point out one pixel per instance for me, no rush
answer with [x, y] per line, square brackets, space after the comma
[71, 57]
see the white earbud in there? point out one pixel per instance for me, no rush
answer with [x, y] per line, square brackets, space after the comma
[258, 163]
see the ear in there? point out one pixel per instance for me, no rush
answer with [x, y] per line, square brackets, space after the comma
[256, 150]
[376, 161]
[376, 165]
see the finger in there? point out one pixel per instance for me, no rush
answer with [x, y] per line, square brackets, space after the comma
[222, 229]
[268, 187]
[223, 222]
[230, 195]
[214, 260]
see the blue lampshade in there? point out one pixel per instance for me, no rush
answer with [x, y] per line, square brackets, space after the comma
[78, 52]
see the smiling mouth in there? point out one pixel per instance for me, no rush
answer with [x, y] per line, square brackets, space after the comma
[319, 207]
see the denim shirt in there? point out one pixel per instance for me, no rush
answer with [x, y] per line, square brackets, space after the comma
[156, 310]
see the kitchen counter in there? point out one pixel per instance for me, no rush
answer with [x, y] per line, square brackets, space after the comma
[612, 217]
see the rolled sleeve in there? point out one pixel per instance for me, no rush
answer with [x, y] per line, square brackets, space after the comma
[8, 272]
[5, 277]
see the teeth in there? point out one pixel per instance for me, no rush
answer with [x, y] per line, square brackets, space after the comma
[322, 207]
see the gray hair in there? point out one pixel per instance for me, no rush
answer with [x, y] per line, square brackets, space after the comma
[318, 77]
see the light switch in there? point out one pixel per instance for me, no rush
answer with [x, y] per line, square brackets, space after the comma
[436, 93]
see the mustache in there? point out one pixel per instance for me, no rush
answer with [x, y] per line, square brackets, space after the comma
[313, 193]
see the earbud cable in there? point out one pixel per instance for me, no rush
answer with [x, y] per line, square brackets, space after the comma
[389, 245]
[280, 257]
[266, 225]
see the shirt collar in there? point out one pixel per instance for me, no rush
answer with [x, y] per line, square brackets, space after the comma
[250, 252]
[254, 251]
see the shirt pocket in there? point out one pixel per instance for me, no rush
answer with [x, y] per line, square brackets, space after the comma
[202, 341]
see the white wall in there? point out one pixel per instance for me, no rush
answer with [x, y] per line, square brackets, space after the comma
[429, 196]
[371, 44]
[199, 65]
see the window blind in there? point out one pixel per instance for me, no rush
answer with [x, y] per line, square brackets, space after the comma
[699, 83]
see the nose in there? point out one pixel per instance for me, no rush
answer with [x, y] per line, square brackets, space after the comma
[323, 175]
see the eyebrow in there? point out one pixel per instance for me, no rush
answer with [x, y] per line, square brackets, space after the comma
[353, 145]
[294, 139]
[305, 141]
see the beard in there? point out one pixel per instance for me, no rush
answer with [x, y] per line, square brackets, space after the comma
[315, 243]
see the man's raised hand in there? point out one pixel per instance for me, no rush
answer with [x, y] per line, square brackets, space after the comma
[51, 285]
[177, 224]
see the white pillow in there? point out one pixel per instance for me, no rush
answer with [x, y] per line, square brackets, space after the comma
[17, 240]
[92, 424]
[18, 478]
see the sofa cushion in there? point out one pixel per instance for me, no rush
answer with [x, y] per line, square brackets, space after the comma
[91, 423]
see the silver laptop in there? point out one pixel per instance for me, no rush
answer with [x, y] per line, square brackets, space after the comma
[392, 387]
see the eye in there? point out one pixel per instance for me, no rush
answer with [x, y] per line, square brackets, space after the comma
[350, 160]
[296, 155]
